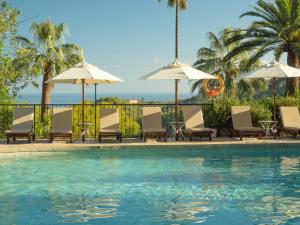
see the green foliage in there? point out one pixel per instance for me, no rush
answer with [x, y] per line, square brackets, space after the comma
[11, 79]
[220, 116]
[47, 53]
[8, 20]
[276, 30]
[213, 60]
[182, 3]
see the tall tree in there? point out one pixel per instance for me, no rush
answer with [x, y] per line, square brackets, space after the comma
[8, 20]
[9, 76]
[179, 5]
[212, 60]
[276, 30]
[48, 55]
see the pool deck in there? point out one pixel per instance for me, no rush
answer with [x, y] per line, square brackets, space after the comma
[42, 145]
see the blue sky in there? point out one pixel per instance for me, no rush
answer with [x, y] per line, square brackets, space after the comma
[130, 38]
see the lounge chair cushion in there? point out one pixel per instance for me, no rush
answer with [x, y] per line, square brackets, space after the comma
[203, 130]
[241, 117]
[250, 129]
[242, 122]
[151, 119]
[290, 117]
[292, 128]
[22, 121]
[111, 131]
[60, 132]
[61, 120]
[154, 130]
[109, 121]
[18, 132]
[193, 117]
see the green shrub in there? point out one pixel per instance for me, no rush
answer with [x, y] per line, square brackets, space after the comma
[219, 116]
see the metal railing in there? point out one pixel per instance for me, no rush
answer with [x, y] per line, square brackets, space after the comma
[129, 117]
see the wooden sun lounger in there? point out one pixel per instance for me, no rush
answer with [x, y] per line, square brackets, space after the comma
[151, 123]
[242, 122]
[194, 123]
[22, 124]
[290, 120]
[61, 124]
[109, 124]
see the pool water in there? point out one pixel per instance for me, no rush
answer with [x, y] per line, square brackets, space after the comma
[214, 185]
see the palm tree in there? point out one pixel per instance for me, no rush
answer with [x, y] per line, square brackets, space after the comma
[47, 55]
[276, 30]
[213, 60]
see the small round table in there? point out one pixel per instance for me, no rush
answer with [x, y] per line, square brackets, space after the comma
[85, 131]
[179, 130]
[269, 126]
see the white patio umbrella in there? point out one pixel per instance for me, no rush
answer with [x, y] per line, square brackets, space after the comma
[273, 71]
[177, 71]
[84, 73]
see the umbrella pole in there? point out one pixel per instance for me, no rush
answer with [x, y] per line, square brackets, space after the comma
[176, 58]
[82, 105]
[176, 109]
[274, 107]
[95, 106]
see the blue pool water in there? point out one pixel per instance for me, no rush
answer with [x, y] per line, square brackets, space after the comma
[216, 185]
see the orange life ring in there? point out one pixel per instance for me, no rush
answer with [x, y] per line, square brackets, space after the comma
[214, 92]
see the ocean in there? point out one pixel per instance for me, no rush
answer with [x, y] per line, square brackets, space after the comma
[71, 98]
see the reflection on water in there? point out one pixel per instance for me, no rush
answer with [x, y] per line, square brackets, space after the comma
[277, 209]
[289, 165]
[190, 211]
[259, 186]
[83, 210]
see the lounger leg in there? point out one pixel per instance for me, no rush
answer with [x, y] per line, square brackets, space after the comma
[209, 137]
[295, 135]
[33, 137]
[71, 139]
[14, 138]
[241, 137]
[50, 138]
[145, 137]
[120, 138]
[100, 138]
[165, 137]
[190, 137]
[7, 140]
[29, 139]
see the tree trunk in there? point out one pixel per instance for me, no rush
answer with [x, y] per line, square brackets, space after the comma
[292, 84]
[176, 58]
[176, 29]
[46, 92]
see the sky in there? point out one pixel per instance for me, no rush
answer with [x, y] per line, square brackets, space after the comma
[131, 38]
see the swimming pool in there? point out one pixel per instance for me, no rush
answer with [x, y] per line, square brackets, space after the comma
[207, 185]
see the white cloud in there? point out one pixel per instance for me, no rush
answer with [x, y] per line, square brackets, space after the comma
[156, 60]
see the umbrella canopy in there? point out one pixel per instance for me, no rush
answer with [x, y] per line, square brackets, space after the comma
[273, 71]
[84, 73]
[177, 71]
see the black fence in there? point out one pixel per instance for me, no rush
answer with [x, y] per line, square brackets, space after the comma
[129, 116]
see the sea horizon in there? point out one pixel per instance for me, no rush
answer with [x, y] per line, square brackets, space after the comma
[74, 98]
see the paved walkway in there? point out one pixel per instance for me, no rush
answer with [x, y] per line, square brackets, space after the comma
[43, 146]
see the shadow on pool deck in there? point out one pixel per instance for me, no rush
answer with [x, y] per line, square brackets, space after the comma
[43, 145]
